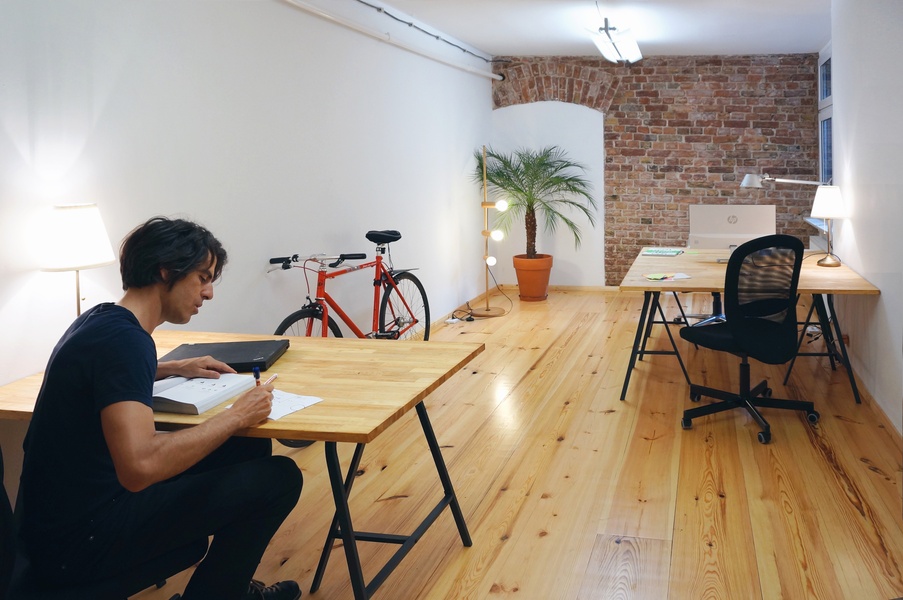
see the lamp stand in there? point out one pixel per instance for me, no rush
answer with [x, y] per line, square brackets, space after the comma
[78, 295]
[487, 311]
[830, 260]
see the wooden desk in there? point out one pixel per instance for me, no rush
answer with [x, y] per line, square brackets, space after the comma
[707, 275]
[366, 385]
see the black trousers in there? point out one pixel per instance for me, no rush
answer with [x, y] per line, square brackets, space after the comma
[240, 494]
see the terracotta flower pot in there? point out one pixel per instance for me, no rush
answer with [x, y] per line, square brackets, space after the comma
[533, 276]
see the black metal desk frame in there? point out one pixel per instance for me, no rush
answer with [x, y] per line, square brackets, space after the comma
[651, 305]
[342, 528]
[835, 347]
[822, 305]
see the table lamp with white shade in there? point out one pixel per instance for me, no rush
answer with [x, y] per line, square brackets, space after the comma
[76, 239]
[829, 205]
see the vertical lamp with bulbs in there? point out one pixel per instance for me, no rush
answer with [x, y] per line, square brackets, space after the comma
[76, 239]
[488, 259]
[828, 205]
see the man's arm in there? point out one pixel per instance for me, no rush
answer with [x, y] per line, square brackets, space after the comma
[143, 456]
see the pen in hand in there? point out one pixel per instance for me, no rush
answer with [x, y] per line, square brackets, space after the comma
[256, 371]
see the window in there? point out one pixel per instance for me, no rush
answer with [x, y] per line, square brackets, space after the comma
[825, 114]
[824, 79]
[825, 147]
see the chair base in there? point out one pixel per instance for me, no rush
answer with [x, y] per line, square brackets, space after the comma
[749, 399]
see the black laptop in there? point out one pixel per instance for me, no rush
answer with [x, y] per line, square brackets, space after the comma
[241, 356]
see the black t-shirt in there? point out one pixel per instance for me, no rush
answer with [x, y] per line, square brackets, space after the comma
[68, 477]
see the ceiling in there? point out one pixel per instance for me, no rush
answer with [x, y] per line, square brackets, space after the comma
[661, 27]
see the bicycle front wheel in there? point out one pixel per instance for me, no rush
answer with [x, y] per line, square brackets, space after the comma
[307, 322]
[407, 312]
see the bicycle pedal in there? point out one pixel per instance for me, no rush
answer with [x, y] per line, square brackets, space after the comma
[386, 335]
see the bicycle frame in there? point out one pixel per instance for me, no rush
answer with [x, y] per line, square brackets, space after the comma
[382, 279]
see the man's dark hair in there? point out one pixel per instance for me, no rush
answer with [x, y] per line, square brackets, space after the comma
[176, 245]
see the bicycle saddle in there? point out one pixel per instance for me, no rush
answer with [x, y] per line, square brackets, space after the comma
[383, 237]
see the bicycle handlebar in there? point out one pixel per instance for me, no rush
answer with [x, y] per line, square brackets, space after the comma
[286, 261]
[283, 259]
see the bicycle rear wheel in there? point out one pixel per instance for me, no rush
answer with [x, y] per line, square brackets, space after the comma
[394, 316]
[298, 322]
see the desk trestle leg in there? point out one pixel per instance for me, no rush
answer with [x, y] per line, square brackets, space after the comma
[651, 304]
[835, 347]
[342, 528]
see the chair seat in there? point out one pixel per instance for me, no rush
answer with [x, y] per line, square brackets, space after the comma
[771, 342]
[716, 336]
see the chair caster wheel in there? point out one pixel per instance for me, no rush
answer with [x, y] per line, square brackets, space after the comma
[686, 423]
[695, 397]
[764, 437]
[767, 392]
[813, 417]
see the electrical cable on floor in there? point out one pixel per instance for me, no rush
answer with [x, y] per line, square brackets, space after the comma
[470, 309]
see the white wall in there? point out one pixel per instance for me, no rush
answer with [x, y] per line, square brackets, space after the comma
[580, 132]
[279, 130]
[868, 131]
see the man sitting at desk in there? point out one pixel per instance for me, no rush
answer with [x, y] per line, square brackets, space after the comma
[101, 490]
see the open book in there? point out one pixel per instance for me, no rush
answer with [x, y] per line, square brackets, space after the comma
[194, 396]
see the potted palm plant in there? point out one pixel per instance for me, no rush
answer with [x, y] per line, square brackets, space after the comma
[538, 185]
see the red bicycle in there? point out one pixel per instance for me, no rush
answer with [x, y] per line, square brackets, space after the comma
[400, 308]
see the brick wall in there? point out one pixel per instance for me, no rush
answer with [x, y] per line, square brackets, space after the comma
[684, 130]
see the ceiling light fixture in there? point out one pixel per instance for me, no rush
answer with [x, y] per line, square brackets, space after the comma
[617, 45]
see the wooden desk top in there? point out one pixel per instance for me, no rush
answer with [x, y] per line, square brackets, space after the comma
[707, 274]
[366, 385]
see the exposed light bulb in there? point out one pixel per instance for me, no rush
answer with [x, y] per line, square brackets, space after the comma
[501, 205]
[497, 234]
[490, 260]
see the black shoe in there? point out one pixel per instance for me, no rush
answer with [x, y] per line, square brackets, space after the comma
[284, 590]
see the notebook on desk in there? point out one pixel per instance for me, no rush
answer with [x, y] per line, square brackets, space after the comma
[241, 356]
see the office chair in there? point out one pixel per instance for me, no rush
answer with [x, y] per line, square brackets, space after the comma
[760, 310]
[19, 582]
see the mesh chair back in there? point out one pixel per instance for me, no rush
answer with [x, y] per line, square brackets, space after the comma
[760, 296]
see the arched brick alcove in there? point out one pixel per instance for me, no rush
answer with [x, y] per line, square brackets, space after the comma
[683, 130]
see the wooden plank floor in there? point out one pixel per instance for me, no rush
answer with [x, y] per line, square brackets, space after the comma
[570, 493]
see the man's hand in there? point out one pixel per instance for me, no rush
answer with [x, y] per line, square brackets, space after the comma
[254, 405]
[202, 366]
